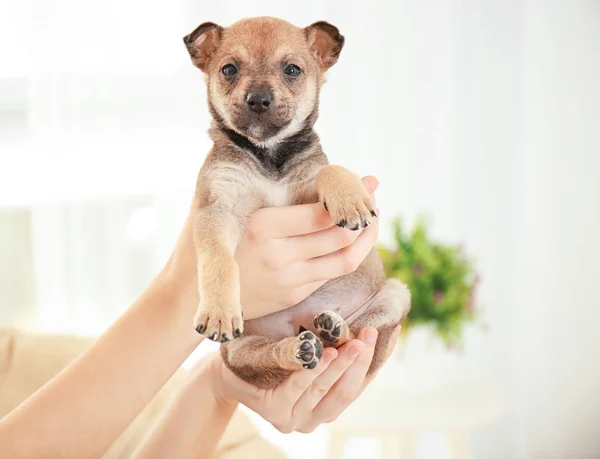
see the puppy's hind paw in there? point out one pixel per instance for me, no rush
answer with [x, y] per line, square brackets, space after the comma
[308, 350]
[331, 328]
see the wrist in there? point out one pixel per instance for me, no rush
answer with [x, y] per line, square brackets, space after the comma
[207, 377]
[221, 394]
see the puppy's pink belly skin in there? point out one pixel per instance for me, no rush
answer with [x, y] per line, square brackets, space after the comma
[287, 323]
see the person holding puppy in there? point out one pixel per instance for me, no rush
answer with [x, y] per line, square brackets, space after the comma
[270, 267]
[82, 411]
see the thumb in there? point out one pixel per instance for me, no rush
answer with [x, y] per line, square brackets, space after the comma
[371, 183]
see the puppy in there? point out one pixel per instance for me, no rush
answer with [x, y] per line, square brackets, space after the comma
[263, 77]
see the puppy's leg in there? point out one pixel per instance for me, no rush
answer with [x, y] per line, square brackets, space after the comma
[266, 363]
[332, 329]
[342, 193]
[387, 309]
[219, 315]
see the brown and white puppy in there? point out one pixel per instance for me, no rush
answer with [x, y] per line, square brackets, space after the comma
[263, 77]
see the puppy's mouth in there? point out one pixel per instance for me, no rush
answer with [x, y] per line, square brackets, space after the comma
[260, 130]
[262, 126]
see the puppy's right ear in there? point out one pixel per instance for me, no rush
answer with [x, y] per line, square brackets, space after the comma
[202, 43]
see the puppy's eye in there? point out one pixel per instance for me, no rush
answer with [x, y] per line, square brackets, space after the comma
[229, 70]
[292, 70]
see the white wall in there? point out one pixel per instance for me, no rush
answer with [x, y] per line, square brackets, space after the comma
[557, 305]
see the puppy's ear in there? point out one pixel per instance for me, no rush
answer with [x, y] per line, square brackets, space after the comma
[325, 41]
[202, 43]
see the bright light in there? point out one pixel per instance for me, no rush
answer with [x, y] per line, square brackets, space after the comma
[142, 224]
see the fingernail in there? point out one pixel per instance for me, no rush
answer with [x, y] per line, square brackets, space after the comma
[354, 351]
[371, 336]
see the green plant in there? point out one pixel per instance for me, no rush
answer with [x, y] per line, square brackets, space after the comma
[441, 279]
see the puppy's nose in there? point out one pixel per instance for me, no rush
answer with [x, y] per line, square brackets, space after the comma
[259, 102]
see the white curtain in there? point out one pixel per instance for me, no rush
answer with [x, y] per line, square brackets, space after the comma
[482, 114]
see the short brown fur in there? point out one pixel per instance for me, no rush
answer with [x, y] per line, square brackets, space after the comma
[268, 155]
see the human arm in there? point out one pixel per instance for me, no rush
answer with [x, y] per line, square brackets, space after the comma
[197, 416]
[193, 423]
[84, 409]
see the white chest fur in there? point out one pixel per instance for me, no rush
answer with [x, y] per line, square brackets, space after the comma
[243, 193]
[275, 194]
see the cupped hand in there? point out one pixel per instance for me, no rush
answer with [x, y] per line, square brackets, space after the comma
[307, 398]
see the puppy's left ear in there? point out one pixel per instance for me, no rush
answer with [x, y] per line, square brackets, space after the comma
[325, 42]
[202, 43]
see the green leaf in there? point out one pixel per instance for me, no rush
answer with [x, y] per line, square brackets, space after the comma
[440, 276]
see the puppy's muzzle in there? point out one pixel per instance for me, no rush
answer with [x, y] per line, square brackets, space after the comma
[259, 102]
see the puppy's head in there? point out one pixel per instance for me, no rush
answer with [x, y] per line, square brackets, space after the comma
[264, 74]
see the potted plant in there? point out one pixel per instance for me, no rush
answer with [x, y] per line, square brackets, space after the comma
[442, 281]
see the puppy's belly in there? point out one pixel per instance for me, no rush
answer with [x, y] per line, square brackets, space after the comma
[279, 325]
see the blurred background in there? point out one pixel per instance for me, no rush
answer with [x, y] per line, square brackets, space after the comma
[483, 115]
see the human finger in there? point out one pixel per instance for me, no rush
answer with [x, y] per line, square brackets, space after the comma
[281, 222]
[326, 380]
[343, 261]
[351, 382]
[293, 387]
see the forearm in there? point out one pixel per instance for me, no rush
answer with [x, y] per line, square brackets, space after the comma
[193, 424]
[85, 408]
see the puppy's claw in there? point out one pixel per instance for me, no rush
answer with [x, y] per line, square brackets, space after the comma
[374, 214]
[301, 329]
[341, 223]
[325, 205]
[219, 323]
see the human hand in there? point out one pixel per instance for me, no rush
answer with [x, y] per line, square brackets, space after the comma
[307, 398]
[289, 252]
[285, 254]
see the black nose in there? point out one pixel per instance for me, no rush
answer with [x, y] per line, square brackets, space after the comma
[259, 102]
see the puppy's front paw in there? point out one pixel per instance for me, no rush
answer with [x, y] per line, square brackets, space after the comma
[349, 208]
[219, 323]
[331, 327]
[308, 350]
